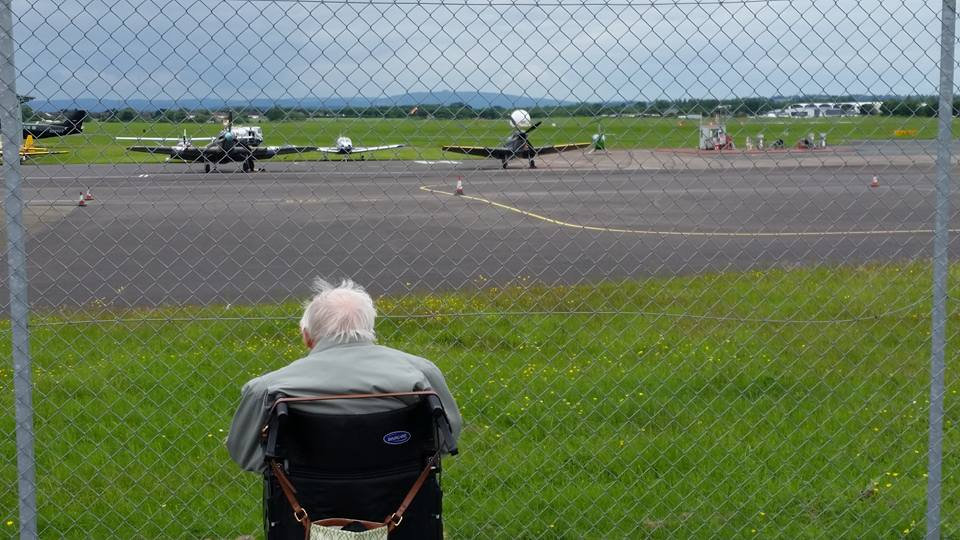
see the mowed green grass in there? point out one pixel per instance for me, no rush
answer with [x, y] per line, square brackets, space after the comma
[424, 137]
[591, 411]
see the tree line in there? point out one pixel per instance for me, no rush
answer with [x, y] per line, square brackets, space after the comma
[921, 106]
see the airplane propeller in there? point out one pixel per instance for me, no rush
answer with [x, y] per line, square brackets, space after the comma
[228, 132]
[524, 135]
[533, 127]
[525, 132]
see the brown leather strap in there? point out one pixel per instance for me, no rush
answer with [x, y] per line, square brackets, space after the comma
[394, 519]
[353, 396]
[308, 399]
[299, 513]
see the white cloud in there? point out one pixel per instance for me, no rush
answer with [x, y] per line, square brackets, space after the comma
[262, 49]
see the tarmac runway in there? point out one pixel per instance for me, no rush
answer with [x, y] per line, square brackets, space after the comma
[163, 234]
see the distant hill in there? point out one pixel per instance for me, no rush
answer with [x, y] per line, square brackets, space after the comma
[474, 99]
[827, 97]
[477, 100]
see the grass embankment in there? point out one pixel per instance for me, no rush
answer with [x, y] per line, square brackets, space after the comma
[425, 137]
[625, 423]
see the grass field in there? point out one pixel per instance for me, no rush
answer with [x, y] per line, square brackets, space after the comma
[425, 137]
[626, 423]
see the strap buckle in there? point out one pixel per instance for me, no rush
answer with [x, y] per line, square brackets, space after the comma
[395, 520]
[300, 514]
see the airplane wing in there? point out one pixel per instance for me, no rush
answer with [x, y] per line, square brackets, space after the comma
[188, 154]
[270, 151]
[37, 152]
[33, 152]
[482, 151]
[162, 139]
[30, 149]
[164, 150]
[557, 148]
[361, 149]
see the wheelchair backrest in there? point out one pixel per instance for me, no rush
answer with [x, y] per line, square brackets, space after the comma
[376, 466]
[335, 444]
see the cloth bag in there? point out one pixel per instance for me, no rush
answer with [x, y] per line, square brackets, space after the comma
[336, 532]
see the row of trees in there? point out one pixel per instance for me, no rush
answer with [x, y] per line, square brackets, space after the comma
[923, 106]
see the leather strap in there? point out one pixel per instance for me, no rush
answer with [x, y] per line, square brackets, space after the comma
[394, 519]
[352, 396]
[307, 399]
[299, 513]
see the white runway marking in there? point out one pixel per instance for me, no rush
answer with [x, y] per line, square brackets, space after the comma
[651, 232]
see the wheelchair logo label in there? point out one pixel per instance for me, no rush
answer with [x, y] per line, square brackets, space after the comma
[396, 437]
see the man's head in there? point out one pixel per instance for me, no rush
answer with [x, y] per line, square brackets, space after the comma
[341, 313]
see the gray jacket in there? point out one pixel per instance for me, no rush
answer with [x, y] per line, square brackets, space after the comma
[335, 368]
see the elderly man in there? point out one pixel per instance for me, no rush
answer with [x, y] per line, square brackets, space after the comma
[337, 327]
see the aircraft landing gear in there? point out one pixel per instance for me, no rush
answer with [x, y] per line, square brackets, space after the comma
[533, 164]
[248, 165]
[503, 164]
[206, 167]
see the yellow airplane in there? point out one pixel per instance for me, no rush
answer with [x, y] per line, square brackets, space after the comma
[30, 149]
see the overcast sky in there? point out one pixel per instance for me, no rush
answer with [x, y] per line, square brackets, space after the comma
[186, 49]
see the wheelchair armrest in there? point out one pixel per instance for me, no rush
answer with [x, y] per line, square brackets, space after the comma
[280, 411]
[443, 423]
[436, 407]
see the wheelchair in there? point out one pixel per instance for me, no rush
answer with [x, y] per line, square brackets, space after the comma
[355, 471]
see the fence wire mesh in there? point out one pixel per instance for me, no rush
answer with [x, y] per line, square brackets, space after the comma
[705, 313]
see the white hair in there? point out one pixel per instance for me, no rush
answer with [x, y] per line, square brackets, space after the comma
[342, 313]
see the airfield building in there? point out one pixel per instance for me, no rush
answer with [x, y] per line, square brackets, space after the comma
[816, 110]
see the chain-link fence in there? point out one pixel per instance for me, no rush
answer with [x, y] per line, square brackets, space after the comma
[673, 258]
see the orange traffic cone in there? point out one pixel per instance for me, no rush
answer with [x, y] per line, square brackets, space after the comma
[88, 196]
[82, 201]
[875, 182]
[459, 187]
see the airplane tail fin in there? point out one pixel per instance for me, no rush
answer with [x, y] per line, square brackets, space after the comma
[28, 143]
[74, 121]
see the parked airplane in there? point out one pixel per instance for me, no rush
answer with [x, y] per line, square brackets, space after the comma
[344, 146]
[29, 150]
[234, 144]
[517, 146]
[72, 125]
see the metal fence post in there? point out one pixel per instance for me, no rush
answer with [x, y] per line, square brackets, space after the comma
[940, 269]
[10, 124]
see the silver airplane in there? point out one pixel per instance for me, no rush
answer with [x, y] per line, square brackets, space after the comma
[234, 144]
[344, 146]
